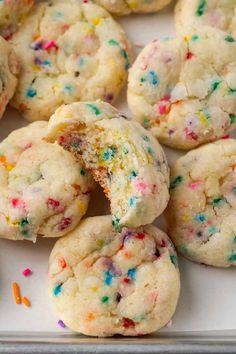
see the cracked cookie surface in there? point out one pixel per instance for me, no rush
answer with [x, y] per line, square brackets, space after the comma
[104, 283]
[43, 190]
[70, 51]
[183, 90]
[202, 210]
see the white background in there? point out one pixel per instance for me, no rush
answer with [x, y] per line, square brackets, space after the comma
[208, 295]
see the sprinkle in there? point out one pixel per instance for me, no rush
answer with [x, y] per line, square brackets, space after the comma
[132, 175]
[62, 262]
[52, 203]
[90, 316]
[57, 290]
[232, 258]
[232, 91]
[212, 230]
[195, 37]
[104, 299]
[96, 21]
[26, 302]
[115, 222]
[152, 78]
[195, 185]
[113, 42]
[108, 278]
[132, 273]
[68, 88]
[145, 138]
[16, 293]
[229, 39]
[146, 122]
[200, 218]
[94, 108]
[24, 226]
[127, 323]
[232, 118]
[189, 55]
[201, 8]
[64, 223]
[234, 239]
[31, 92]
[226, 136]
[109, 153]
[215, 85]
[126, 280]
[61, 324]
[140, 235]
[174, 260]
[82, 172]
[218, 200]
[176, 182]
[27, 272]
[49, 45]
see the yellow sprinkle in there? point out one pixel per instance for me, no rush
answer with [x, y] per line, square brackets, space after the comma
[56, 87]
[81, 206]
[36, 67]
[187, 38]
[133, 4]
[9, 167]
[94, 289]
[12, 223]
[184, 217]
[203, 118]
[100, 243]
[89, 30]
[96, 21]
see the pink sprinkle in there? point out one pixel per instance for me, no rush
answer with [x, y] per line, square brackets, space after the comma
[64, 224]
[61, 324]
[27, 272]
[49, 45]
[17, 203]
[28, 146]
[166, 98]
[195, 185]
[140, 185]
[227, 136]
[162, 109]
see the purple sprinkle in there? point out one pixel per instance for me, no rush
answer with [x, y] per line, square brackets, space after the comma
[61, 324]
[109, 97]
[37, 45]
[37, 61]
[115, 270]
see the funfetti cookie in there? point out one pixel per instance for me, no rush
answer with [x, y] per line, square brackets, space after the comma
[104, 283]
[43, 190]
[9, 66]
[122, 7]
[70, 51]
[13, 14]
[183, 90]
[202, 210]
[196, 13]
[123, 157]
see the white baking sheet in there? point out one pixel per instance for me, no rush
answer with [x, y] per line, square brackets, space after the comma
[208, 296]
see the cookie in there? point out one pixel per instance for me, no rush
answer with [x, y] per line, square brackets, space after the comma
[12, 14]
[123, 157]
[196, 13]
[43, 190]
[70, 51]
[122, 7]
[8, 74]
[104, 283]
[183, 90]
[202, 210]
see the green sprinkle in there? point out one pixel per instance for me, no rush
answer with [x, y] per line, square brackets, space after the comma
[215, 85]
[232, 118]
[82, 172]
[24, 227]
[234, 239]
[174, 260]
[94, 108]
[113, 42]
[116, 223]
[150, 151]
[232, 258]
[232, 91]
[133, 174]
[146, 122]
[218, 200]
[104, 299]
[229, 39]
[142, 79]
[176, 182]
[195, 37]
[125, 150]
[234, 190]
[24, 222]
[201, 8]
[145, 138]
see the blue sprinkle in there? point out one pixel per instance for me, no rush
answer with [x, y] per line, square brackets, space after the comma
[234, 239]
[212, 230]
[152, 78]
[81, 61]
[46, 62]
[132, 201]
[132, 273]
[200, 218]
[57, 290]
[68, 88]
[108, 278]
[31, 92]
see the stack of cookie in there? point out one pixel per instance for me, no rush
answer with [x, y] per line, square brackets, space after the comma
[65, 62]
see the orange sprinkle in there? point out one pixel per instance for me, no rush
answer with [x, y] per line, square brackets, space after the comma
[90, 316]
[62, 263]
[3, 159]
[128, 255]
[16, 293]
[26, 301]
